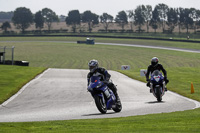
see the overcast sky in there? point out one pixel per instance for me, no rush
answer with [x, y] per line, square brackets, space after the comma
[112, 7]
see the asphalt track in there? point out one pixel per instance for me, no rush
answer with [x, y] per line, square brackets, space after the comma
[153, 47]
[61, 94]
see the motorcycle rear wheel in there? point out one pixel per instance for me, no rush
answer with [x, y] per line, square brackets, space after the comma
[101, 106]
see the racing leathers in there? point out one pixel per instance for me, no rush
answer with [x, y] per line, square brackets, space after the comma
[104, 77]
[152, 68]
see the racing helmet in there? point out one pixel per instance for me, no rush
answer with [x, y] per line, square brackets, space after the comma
[154, 61]
[93, 65]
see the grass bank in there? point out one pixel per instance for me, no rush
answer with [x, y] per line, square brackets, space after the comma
[177, 122]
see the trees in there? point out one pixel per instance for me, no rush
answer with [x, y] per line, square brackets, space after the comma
[90, 18]
[74, 19]
[139, 17]
[198, 18]
[195, 15]
[39, 20]
[172, 19]
[143, 15]
[155, 20]
[49, 17]
[121, 19]
[180, 13]
[106, 19]
[22, 18]
[5, 26]
[185, 19]
[147, 15]
[131, 17]
[162, 11]
[188, 21]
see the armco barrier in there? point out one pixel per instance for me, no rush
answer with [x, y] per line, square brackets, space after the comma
[100, 36]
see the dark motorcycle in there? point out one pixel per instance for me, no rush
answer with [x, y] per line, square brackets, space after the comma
[157, 85]
[103, 96]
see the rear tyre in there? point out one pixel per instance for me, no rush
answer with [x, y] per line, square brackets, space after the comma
[101, 105]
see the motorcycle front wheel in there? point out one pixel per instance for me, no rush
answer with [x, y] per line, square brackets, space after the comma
[118, 107]
[158, 95]
[101, 105]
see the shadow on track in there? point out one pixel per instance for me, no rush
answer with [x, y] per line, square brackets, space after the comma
[99, 114]
[154, 102]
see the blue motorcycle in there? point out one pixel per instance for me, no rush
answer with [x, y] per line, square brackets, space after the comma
[103, 96]
[157, 85]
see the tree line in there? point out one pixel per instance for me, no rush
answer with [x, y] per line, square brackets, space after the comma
[161, 16]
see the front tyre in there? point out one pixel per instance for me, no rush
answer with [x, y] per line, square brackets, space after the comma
[118, 107]
[101, 105]
[158, 95]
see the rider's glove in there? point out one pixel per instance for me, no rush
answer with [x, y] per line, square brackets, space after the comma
[166, 80]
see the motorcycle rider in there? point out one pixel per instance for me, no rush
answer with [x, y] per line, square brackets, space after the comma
[95, 70]
[155, 66]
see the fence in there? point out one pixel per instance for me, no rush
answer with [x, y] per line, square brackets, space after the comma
[7, 55]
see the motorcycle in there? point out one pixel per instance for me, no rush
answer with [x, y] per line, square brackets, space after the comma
[157, 85]
[103, 96]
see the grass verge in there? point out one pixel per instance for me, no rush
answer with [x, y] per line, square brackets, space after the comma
[187, 122]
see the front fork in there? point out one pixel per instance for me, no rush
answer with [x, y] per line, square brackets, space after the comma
[163, 88]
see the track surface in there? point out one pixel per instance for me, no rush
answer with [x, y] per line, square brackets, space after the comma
[60, 94]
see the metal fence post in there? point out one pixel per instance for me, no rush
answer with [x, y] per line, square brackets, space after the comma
[4, 55]
[13, 55]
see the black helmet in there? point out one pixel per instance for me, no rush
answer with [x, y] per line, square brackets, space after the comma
[154, 61]
[93, 65]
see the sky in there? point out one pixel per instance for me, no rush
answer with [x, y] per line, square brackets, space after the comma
[112, 7]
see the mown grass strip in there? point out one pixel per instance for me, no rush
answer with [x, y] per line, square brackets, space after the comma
[186, 45]
[187, 121]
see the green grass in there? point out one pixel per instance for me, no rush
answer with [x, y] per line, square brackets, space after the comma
[183, 68]
[177, 122]
[108, 40]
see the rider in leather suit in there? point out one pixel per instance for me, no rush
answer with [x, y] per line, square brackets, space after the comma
[95, 70]
[155, 66]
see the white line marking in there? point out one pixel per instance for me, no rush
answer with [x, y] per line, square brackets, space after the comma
[197, 103]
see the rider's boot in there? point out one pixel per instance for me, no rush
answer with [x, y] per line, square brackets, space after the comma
[117, 97]
[116, 94]
[114, 89]
[151, 90]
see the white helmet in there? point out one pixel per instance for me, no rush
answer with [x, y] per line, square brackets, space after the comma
[93, 65]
